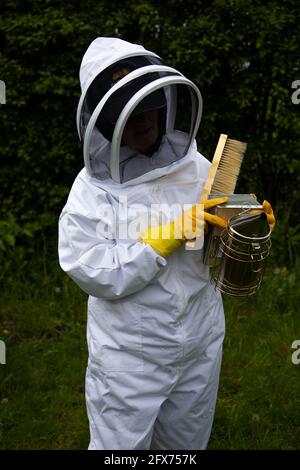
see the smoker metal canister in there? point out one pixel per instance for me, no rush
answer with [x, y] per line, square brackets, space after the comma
[236, 205]
[244, 245]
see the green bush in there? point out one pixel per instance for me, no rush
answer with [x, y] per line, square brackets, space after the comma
[244, 56]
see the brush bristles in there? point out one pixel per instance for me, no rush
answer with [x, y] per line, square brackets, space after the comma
[229, 167]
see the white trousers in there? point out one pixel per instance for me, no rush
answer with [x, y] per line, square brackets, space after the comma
[159, 408]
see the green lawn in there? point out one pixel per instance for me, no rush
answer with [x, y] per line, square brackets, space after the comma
[43, 319]
[259, 399]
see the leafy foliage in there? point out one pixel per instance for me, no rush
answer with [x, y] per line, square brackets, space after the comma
[243, 55]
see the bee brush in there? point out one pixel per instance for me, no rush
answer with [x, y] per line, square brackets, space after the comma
[225, 167]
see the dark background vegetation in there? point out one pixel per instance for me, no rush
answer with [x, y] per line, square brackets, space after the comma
[244, 56]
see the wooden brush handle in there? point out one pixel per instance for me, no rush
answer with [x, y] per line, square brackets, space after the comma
[210, 178]
[213, 167]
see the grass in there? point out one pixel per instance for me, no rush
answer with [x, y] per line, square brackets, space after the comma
[42, 384]
[43, 321]
[259, 402]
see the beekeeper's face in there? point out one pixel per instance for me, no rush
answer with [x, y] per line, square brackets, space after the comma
[141, 131]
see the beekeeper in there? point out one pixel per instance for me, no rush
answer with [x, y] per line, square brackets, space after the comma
[155, 322]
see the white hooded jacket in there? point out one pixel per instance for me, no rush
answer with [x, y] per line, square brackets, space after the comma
[148, 317]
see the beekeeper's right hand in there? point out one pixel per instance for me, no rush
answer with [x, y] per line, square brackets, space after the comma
[267, 209]
[190, 225]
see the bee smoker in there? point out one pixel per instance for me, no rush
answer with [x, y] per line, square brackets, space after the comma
[244, 246]
[238, 252]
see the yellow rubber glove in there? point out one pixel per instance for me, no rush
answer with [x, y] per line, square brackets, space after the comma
[267, 209]
[167, 238]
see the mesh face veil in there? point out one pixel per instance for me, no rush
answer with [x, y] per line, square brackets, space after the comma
[136, 95]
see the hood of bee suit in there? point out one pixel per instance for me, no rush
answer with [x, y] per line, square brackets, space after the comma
[120, 80]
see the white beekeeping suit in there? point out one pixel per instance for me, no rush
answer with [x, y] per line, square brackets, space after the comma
[155, 324]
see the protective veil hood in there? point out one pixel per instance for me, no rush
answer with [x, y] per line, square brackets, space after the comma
[109, 98]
